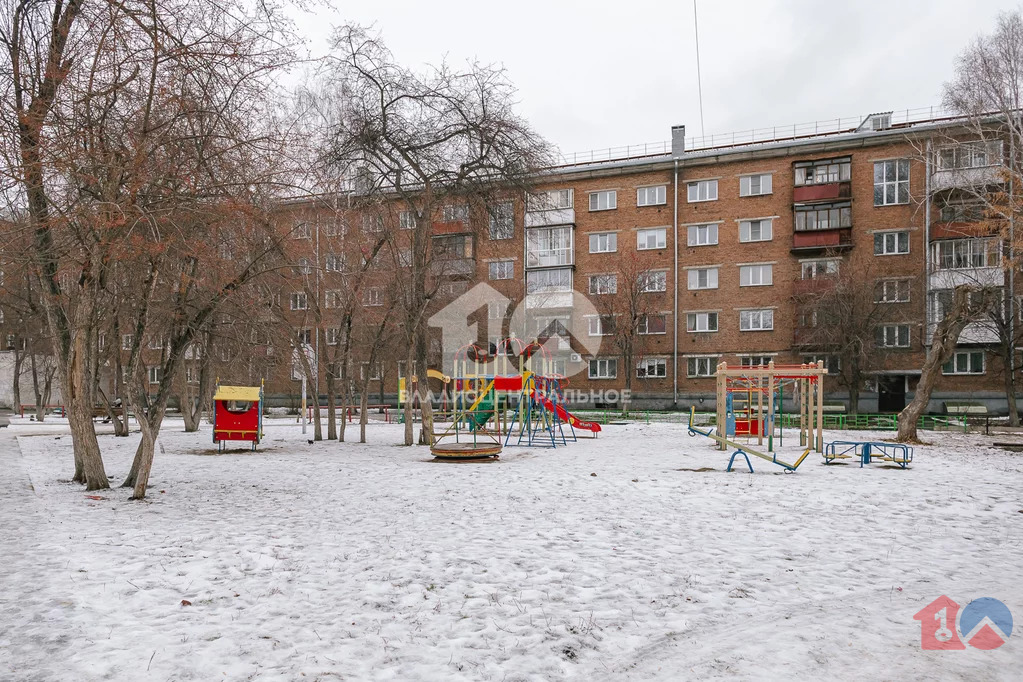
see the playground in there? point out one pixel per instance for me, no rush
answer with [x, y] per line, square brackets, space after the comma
[634, 555]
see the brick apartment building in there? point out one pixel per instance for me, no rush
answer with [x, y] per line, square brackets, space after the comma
[730, 237]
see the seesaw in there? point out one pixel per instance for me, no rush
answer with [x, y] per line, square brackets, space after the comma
[743, 450]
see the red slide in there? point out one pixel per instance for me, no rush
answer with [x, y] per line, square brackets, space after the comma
[564, 416]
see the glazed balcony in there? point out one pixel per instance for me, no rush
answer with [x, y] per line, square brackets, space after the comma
[835, 239]
[824, 192]
[551, 217]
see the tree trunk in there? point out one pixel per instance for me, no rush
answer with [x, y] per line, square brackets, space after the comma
[364, 410]
[409, 376]
[943, 345]
[1009, 372]
[149, 422]
[425, 404]
[19, 359]
[331, 407]
[88, 460]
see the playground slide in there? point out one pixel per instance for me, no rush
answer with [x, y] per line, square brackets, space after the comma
[565, 416]
[744, 448]
[479, 414]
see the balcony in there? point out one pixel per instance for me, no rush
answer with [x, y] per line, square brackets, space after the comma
[958, 230]
[822, 240]
[549, 218]
[551, 258]
[977, 333]
[449, 227]
[806, 337]
[824, 192]
[976, 277]
[965, 177]
[549, 300]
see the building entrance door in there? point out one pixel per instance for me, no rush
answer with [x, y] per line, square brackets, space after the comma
[891, 393]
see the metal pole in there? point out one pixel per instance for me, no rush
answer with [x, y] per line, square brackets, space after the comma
[674, 316]
[304, 415]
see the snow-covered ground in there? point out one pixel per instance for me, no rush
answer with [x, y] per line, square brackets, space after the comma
[635, 556]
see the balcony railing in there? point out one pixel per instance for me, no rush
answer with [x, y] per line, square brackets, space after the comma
[454, 267]
[965, 177]
[836, 238]
[550, 258]
[556, 216]
[826, 192]
[815, 285]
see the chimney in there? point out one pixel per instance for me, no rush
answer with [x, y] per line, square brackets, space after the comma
[678, 141]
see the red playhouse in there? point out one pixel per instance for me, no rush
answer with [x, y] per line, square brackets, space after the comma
[238, 414]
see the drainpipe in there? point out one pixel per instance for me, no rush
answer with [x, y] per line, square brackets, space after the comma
[927, 245]
[674, 315]
[678, 148]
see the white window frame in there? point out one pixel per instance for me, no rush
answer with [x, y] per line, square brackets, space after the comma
[602, 285]
[501, 269]
[710, 276]
[659, 366]
[698, 322]
[454, 213]
[759, 320]
[595, 325]
[895, 332]
[603, 200]
[502, 220]
[609, 239]
[968, 356]
[643, 324]
[551, 200]
[882, 182]
[701, 190]
[299, 300]
[765, 182]
[655, 195]
[900, 238]
[653, 281]
[699, 361]
[820, 268]
[548, 287]
[607, 368]
[693, 234]
[155, 373]
[372, 297]
[766, 234]
[746, 272]
[883, 295]
[660, 237]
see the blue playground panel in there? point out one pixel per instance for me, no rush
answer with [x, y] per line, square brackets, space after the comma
[868, 451]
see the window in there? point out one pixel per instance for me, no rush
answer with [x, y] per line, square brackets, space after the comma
[652, 368]
[126, 341]
[502, 269]
[653, 282]
[702, 322]
[372, 223]
[891, 243]
[335, 262]
[305, 336]
[893, 336]
[832, 363]
[823, 216]
[956, 254]
[452, 213]
[303, 266]
[332, 299]
[548, 281]
[452, 247]
[502, 220]
[964, 362]
[756, 320]
[756, 275]
[755, 230]
[891, 182]
[407, 220]
[755, 185]
[818, 269]
[703, 278]
[302, 230]
[299, 301]
[156, 343]
[548, 246]
[601, 325]
[974, 154]
[603, 368]
[191, 375]
[703, 190]
[603, 284]
[755, 360]
[655, 238]
[651, 196]
[373, 296]
[101, 339]
[701, 367]
[605, 200]
[604, 243]
[374, 371]
[892, 291]
[496, 310]
[961, 212]
[333, 336]
[652, 323]
[823, 172]
[550, 200]
[155, 374]
[703, 235]
[336, 227]
[404, 258]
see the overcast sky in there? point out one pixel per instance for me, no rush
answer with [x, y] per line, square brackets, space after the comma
[597, 74]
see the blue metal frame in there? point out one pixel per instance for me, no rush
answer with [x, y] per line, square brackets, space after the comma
[867, 451]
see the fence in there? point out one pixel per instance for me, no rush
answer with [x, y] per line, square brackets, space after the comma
[840, 422]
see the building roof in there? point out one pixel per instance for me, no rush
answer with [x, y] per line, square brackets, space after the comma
[249, 393]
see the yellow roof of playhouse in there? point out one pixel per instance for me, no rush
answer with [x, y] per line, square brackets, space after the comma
[250, 393]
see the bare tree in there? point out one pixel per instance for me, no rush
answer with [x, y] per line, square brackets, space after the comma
[968, 304]
[424, 141]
